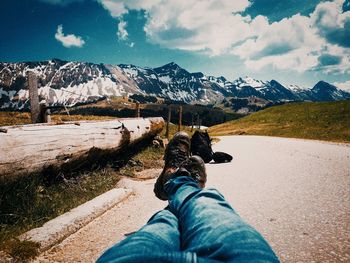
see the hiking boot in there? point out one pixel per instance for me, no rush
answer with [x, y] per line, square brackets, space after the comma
[178, 163]
[176, 152]
[195, 166]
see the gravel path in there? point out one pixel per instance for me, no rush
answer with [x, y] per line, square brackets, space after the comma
[295, 192]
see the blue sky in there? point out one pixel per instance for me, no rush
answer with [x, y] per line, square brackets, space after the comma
[295, 42]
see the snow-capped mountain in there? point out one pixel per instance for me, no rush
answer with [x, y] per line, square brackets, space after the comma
[249, 82]
[324, 91]
[175, 83]
[68, 83]
[268, 90]
[62, 83]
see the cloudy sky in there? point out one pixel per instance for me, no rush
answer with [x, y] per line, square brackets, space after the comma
[295, 41]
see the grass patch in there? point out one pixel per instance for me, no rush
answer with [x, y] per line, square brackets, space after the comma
[8, 118]
[150, 157]
[29, 202]
[328, 121]
[22, 251]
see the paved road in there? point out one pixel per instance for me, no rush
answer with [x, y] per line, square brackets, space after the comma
[295, 192]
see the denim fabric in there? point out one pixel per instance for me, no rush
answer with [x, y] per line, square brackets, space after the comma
[197, 226]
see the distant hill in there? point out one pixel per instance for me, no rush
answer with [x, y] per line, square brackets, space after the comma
[71, 83]
[319, 120]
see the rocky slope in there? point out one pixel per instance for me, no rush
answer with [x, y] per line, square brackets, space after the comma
[69, 83]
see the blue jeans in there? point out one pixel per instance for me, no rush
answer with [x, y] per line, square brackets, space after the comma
[197, 226]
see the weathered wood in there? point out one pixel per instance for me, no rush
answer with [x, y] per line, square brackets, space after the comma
[33, 148]
[35, 109]
[192, 122]
[137, 110]
[168, 122]
[45, 113]
[180, 118]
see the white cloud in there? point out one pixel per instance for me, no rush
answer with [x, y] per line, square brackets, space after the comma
[287, 44]
[211, 25]
[343, 85]
[118, 8]
[295, 43]
[218, 27]
[68, 40]
[122, 33]
[115, 8]
[332, 23]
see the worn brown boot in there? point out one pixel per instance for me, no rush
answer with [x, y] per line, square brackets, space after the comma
[176, 152]
[178, 162]
[196, 167]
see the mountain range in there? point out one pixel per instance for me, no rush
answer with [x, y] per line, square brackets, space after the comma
[70, 83]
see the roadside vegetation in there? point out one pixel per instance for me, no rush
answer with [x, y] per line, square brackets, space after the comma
[8, 118]
[29, 202]
[328, 121]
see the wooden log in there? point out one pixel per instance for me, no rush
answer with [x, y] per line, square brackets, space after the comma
[33, 148]
[35, 109]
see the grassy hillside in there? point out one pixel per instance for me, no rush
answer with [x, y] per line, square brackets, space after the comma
[8, 118]
[310, 120]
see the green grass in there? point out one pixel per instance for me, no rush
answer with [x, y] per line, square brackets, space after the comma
[8, 118]
[29, 202]
[328, 121]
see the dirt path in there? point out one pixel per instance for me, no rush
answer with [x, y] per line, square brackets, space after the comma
[295, 192]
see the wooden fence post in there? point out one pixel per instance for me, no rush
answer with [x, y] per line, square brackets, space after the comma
[35, 108]
[192, 123]
[198, 121]
[45, 113]
[168, 122]
[137, 113]
[180, 119]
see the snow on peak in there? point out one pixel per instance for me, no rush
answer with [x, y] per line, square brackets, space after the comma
[248, 81]
[295, 88]
[166, 79]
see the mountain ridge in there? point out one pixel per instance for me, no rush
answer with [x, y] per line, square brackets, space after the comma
[69, 83]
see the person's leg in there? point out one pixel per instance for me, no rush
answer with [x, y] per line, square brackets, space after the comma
[210, 227]
[157, 241]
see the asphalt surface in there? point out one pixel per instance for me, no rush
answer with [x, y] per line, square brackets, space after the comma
[295, 192]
